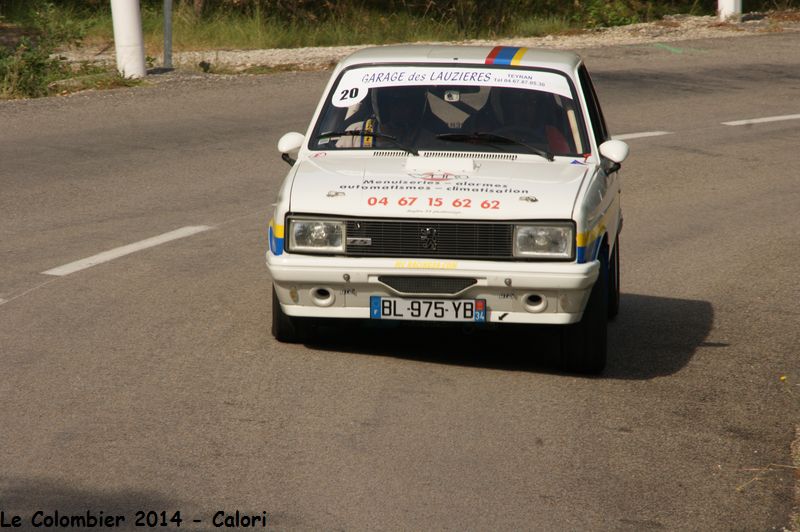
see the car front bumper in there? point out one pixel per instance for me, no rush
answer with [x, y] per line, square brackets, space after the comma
[348, 283]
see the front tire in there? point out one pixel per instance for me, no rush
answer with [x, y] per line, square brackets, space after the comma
[287, 329]
[613, 282]
[584, 344]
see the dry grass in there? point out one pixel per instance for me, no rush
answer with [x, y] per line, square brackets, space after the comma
[667, 23]
[99, 81]
[230, 30]
[257, 70]
[788, 15]
[727, 26]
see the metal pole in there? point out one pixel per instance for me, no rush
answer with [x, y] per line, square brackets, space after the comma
[167, 33]
[128, 39]
[729, 9]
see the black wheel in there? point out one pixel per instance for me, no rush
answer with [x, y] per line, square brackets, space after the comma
[285, 328]
[613, 282]
[583, 344]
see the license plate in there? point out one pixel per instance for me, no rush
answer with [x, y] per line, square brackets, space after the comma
[395, 308]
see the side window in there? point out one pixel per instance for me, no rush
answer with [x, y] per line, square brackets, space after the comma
[595, 114]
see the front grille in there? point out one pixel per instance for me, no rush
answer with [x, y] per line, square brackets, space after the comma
[427, 285]
[437, 239]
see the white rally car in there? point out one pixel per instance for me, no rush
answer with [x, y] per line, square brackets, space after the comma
[452, 183]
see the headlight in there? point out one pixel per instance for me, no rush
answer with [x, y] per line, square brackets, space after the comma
[545, 240]
[316, 236]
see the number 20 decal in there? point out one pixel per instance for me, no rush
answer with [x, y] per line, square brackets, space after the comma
[348, 94]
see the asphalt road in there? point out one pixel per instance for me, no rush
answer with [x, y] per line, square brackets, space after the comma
[151, 382]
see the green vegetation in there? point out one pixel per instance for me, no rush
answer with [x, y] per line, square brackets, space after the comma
[207, 24]
[35, 29]
[204, 24]
[28, 66]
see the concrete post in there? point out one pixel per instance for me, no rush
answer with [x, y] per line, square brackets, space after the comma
[729, 9]
[128, 39]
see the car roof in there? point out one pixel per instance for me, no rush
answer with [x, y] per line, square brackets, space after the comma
[451, 54]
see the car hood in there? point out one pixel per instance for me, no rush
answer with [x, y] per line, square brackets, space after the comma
[435, 188]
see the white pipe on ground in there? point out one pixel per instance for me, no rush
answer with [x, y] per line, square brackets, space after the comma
[729, 9]
[128, 39]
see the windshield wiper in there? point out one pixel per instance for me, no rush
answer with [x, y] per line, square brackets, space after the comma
[357, 133]
[490, 138]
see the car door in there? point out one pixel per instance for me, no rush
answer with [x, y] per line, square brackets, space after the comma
[607, 212]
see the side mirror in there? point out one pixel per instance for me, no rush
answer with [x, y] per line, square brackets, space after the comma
[614, 151]
[288, 143]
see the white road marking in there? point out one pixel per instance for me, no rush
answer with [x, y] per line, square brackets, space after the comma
[643, 134]
[761, 120]
[116, 253]
[28, 291]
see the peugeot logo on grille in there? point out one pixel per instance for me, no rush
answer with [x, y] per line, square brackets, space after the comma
[429, 237]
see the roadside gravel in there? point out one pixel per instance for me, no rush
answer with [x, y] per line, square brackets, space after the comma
[674, 28]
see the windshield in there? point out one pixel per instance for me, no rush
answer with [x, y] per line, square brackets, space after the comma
[451, 108]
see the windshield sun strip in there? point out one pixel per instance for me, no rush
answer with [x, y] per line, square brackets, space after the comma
[312, 144]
